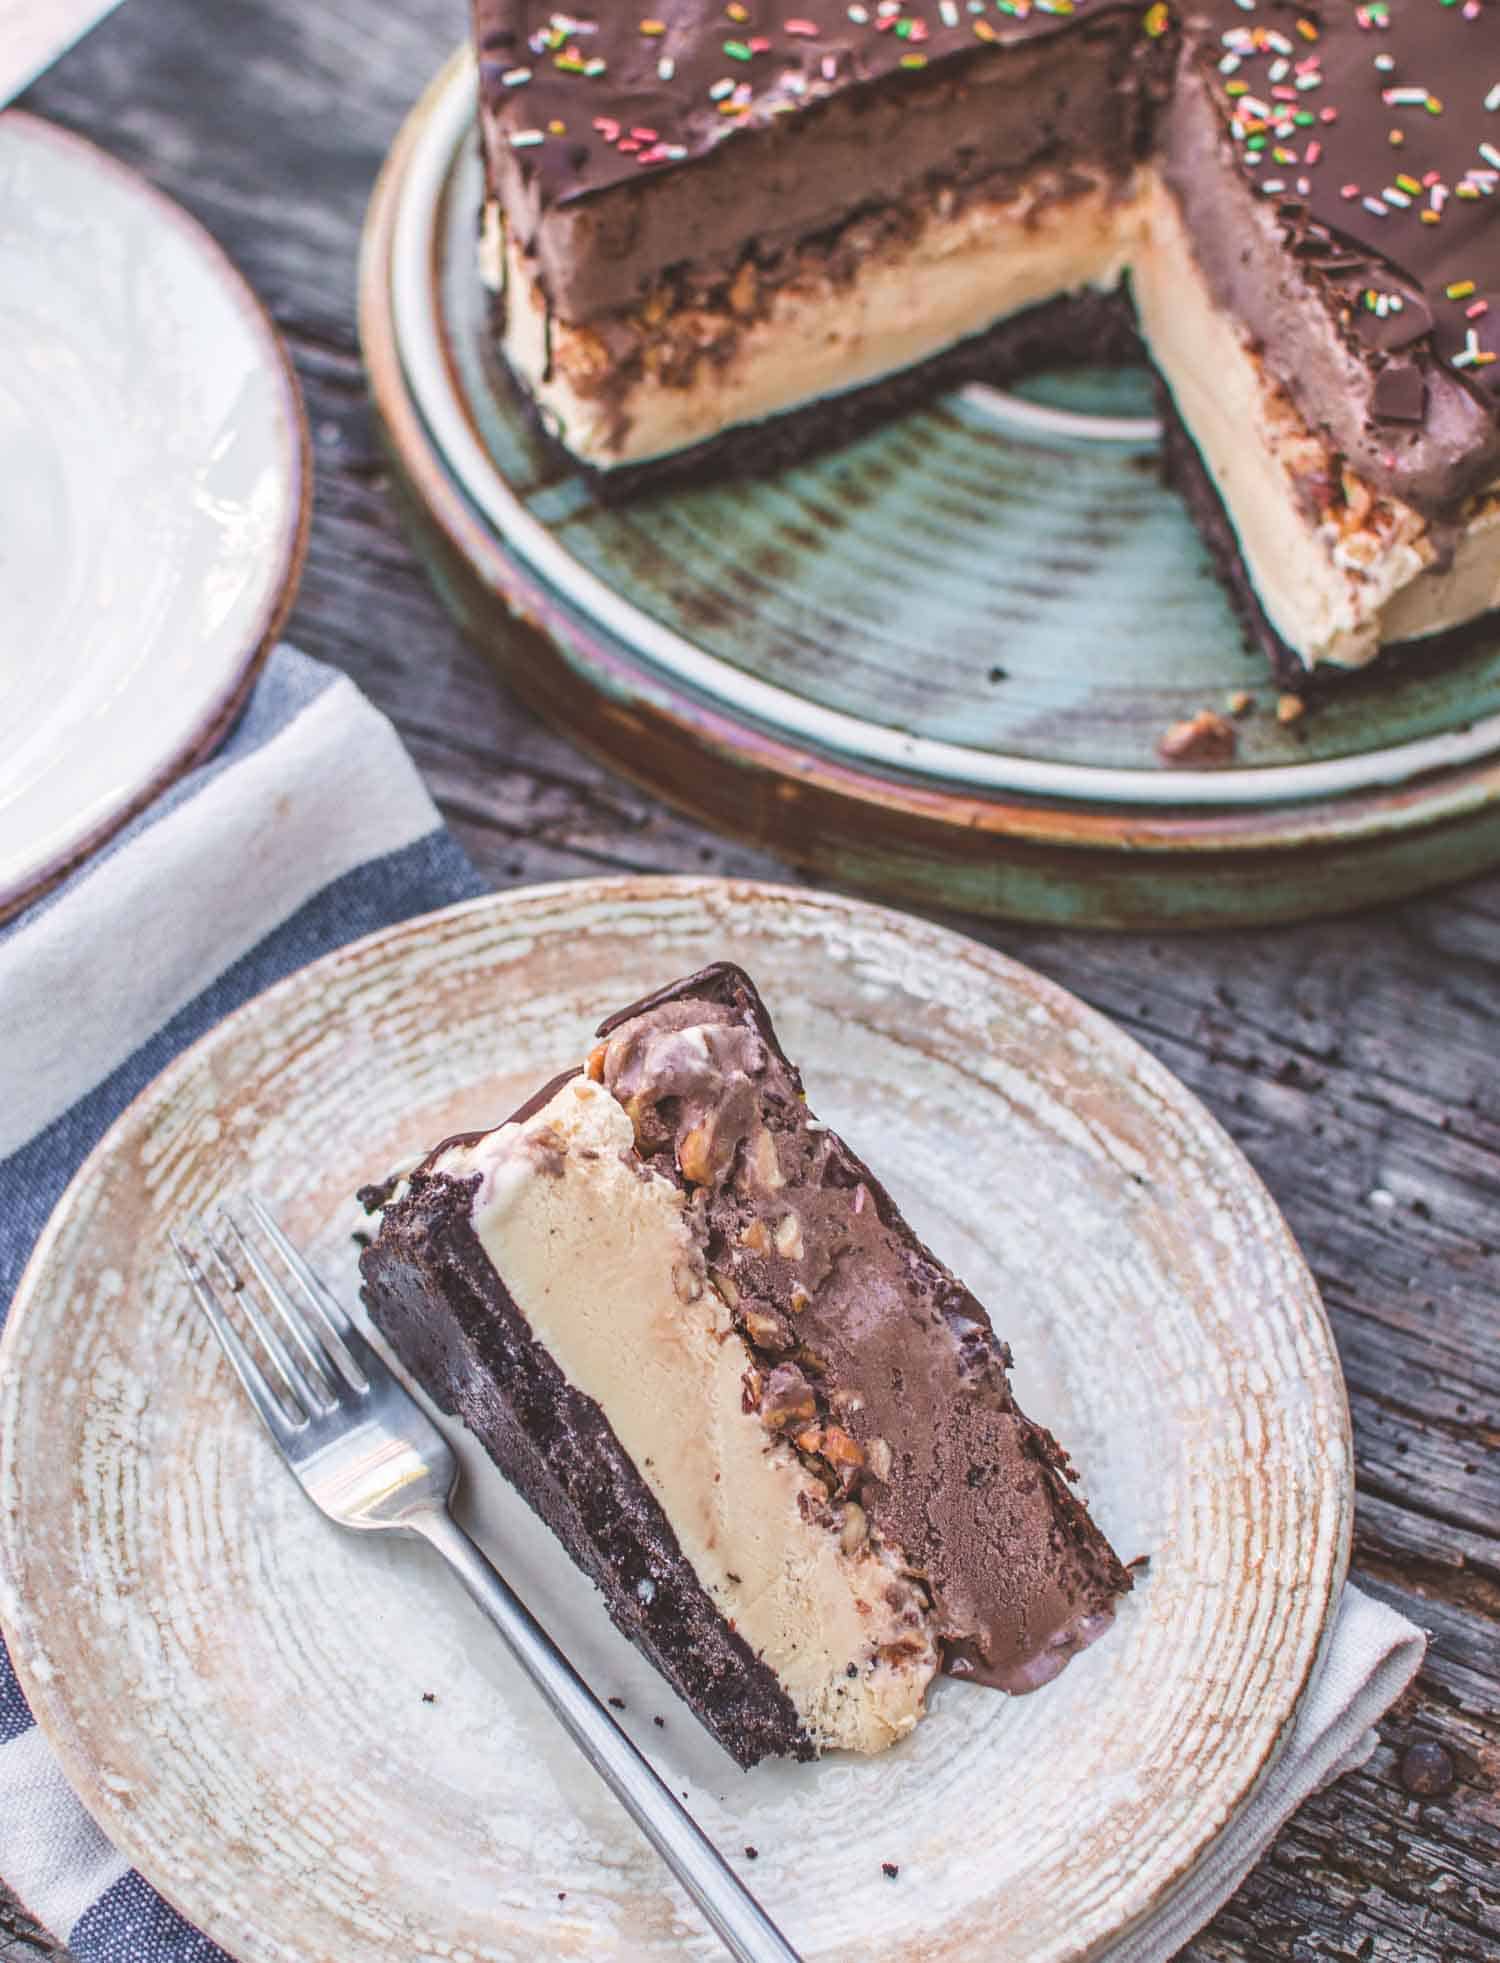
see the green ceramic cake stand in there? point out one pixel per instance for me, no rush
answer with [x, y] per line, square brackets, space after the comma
[937, 663]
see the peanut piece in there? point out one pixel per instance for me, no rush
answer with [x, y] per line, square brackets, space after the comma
[763, 1162]
[728, 1290]
[696, 1157]
[855, 1530]
[1357, 498]
[744, 287]
[840, 1449]
[788, 1398]
[765, 1330]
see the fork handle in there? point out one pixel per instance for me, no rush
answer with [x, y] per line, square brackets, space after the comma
[743, 1925]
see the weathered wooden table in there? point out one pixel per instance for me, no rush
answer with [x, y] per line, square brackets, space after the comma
[1357, 1062]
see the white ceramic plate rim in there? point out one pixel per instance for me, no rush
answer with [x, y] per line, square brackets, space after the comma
[1088, 1022]
[447, 120]
[228, 664]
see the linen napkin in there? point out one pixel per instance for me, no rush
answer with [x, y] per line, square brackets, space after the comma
[1371, 1655]
[309, 827]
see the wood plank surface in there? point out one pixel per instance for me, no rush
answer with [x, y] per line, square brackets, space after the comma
[1357, 1062]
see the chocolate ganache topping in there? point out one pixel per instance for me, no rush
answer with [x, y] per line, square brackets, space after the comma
[881, 1367]
[1370, 128]
[636, 89]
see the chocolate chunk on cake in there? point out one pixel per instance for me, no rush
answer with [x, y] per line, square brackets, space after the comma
[724, 235]
[695, 1332]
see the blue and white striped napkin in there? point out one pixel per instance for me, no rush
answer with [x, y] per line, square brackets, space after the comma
[309, 827]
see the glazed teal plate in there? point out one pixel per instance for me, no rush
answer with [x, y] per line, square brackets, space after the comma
[975, 624]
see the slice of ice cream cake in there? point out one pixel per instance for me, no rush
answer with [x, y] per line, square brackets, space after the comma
[693, 1329]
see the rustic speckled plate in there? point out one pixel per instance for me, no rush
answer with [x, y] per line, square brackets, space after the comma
[937, 662]
[154, 497]
[315, 1747]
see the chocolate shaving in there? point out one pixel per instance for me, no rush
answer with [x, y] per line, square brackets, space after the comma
[1400, 393]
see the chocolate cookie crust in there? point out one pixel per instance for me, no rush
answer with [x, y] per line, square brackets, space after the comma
[433, 1295]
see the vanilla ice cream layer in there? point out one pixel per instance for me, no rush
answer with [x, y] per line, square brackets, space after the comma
[599, 1256]
[1336, 589]
[819, 336]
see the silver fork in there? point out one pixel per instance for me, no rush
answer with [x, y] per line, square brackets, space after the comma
[369, 1456]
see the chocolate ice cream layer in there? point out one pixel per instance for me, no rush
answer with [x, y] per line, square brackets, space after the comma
[847, 1311]
[739, 148]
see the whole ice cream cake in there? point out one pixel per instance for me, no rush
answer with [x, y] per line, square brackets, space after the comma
[724, 235]
[693, 1329]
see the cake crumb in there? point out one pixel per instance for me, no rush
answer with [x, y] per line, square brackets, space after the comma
[752, 1853]
[429, 1697]
[562, 1894]
[660, 1722]
[1204, 738]
[1289, 708]
[1427, 1769]
[1240, 703]
[616, 1703]
[889, 1869]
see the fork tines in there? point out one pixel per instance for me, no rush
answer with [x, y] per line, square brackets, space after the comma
[318, 1359]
